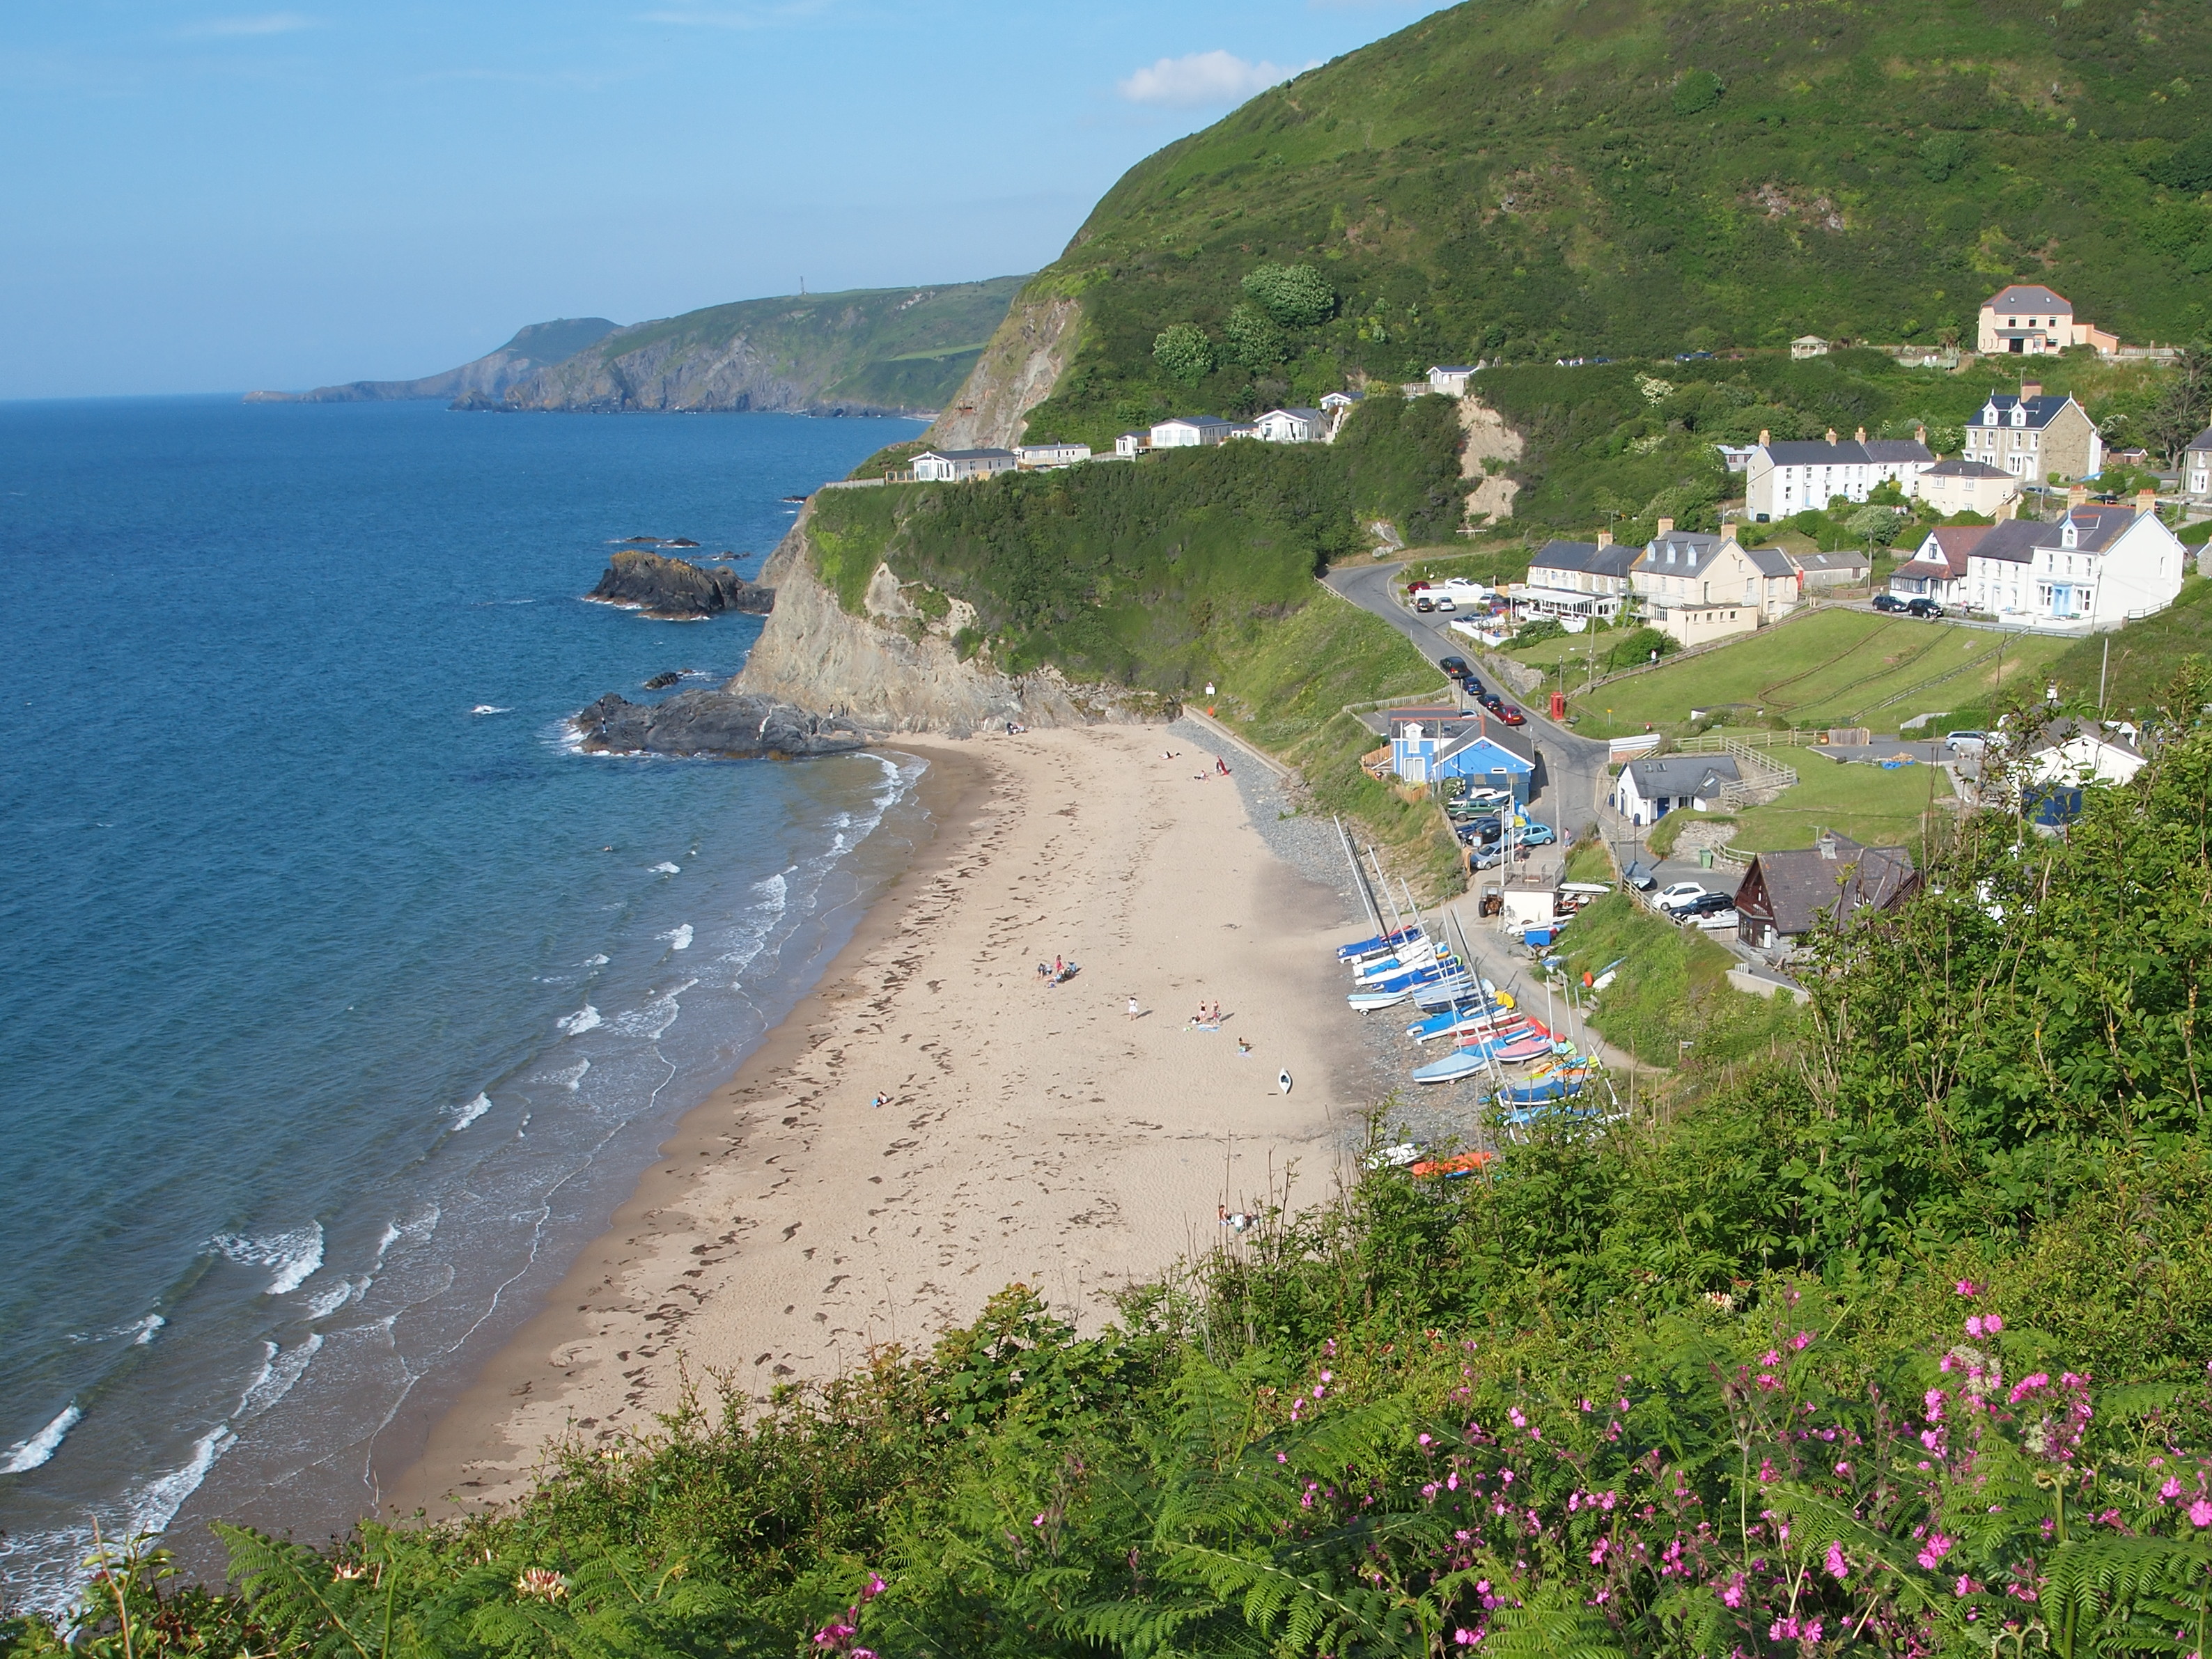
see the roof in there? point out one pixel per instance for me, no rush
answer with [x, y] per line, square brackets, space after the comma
[969, 454]
[2060, 732]
[1503, 738]
[1816, 453]
[1965, 469]
[1770, 561]
[2029, 296]
[1898, 449]
[1955, 542]
[1808, 339]
[1693, 550]
[1343, 398]
[1451, 368]
[2202, 440]
[1928, 570]
[1193, 420]
[2018, 540]
[1697, 775]
[1802, 883]
[1843, 560]
[2041, 411]
[1612, 559]
[1300, 414]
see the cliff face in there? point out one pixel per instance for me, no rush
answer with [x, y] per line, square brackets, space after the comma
[675, 590]
[895, 670]
[532, 349]
[1017, 372]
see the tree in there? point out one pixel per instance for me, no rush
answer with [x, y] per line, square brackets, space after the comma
[2185, 407]
[1184, 352]
[1698, 91]
[1942, 156]
[1294, 296]
[1875, 525]
[1255, 339]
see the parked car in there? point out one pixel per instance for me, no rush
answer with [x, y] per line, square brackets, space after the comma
[1444, 602]
[1423, 602]
[1887, 602]
[1926, 609]
[1639, 878]
[1722, 921]
[1693, 356]
[1965, 743]
[1456, 667]
[1539, 835]
[1492, 701]
[1673, 896]
[1710, 904]
[1489, 860]
[1509, 715]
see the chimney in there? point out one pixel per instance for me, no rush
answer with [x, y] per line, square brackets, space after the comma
[1860, 436]
[2007, 510]
[1727, 530]
[2146, 501]
[2030, 389]
[1920, 437]
[2077, 496]
[1605, 538]
[1832, 435]
[1828, 845]
[1666, 527]
[1766, 437]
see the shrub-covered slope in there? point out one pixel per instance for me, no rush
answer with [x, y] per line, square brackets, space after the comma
[1528, 179]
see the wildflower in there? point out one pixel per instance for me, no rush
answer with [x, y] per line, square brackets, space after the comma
[873, 1588]
[2200, 1513]
[348, 1570]
[1967, 1287]
[2027, 1385]
[2170, 1491]
[1844, 1467]
[1421, 1440]
[1732, 1592]
[1838, 1567]
[1282, 1457]
[1328, 1376]
[1514, 1413]
[1966, 1586]
[1773, 1357]
[1936, 1548]
[541, 1583]
[1801, 1341]
[1974, 1325]
[1464, 1637]
[1931, 1405]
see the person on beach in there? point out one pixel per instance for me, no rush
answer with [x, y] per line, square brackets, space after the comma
[1243, 1046]
[1133, 1010]
[1059, 971]
[881, 1100]
[1221, 766]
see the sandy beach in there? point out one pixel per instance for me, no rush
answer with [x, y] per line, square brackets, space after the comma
[1032, 1131]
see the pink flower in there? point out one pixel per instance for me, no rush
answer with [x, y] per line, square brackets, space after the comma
[1974, 1325]
[1966, 1586]
[1838, 1567]
[2027, 1385]
[1967, 1287]
[1772, 1358]
[2170, 1491]
[1801, 1341]
[1464, 1637]
[873, 1588]
[1514, 1413]
[1732, 1592]
[1937, 1547]
[1992, 1325]
[2200, 1513]
[1038, 1522]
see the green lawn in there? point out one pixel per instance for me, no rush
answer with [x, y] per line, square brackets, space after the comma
[1838, 667]
[1871, 806]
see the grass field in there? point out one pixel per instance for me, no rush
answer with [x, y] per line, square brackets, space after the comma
[1835, 668]
[2144, 656]
[1871, 806]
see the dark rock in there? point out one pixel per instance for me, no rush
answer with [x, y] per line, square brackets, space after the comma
[736, 726]
[675, 590]
[662, 682]
[682, 541]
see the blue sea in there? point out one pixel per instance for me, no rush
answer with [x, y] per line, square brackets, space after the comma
[348, 997]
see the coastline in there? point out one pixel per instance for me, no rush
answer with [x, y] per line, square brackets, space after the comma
[1034, 1133]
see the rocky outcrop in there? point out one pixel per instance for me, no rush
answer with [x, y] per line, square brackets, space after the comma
[1015, 373]
[897, 669]
[1490, 446]
[731, 725]
[675, 590]
[538, 346]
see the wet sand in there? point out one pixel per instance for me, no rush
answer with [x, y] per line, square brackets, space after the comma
[1032, 1132]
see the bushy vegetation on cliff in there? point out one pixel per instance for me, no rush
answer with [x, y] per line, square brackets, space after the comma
[1527, 179]
[1895, 1342]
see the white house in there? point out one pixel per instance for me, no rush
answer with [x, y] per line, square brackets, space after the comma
[1808, 345]
[2197, 465]
[950, 465]
[1579, 579]
[2072, 751]
[1450, 379]
[1783, 479]
[1697, 588]
[1133, 443]
[1647, 790]
[2027, 320]
[1048, 455]
[1965, 486]
[2096, 568]
[1937, 570]
[1289, 426]
[1193, 432]
[1337, 406]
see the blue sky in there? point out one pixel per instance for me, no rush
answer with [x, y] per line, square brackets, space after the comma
[202, 198]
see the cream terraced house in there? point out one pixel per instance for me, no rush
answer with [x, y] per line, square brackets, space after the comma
[1696, 586]
[2034, 437]
[1783, 479]
[1964, 486]
[2029, 320]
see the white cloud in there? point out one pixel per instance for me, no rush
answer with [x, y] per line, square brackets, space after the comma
[1200, 78]
[274, 22]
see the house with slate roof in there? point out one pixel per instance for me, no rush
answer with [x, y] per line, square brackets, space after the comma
[1937, 570]
[2034, 437]
[1965, 486]
[1579, 579]
[1428, 746]
[951, 465]
[1695, 586]
[1783, 479]
[2097, 566]
[1648, 789]
[1845, 568]
[1783, 897]
[2197, 465]
[2028, 320]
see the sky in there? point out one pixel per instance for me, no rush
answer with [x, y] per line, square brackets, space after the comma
[200, 198]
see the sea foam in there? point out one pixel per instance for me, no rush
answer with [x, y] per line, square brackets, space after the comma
[666, 869]
[679, 939]
[294, 1255]
[464, 1116]
[580, 1022]
[26, 1456]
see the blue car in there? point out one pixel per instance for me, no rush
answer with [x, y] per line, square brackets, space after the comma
[1537, 834]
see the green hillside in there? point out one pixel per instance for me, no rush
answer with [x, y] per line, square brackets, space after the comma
[1530, 179]
[903, 349]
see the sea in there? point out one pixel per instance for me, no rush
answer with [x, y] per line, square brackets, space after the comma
[350, 997]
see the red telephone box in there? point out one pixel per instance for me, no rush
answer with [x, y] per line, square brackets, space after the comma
[1558, 705]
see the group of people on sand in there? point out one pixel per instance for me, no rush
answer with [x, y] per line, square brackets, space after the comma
[1059, 973]
[1208, 1017]
[1220, 766]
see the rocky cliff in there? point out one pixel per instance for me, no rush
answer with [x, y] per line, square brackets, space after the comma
[895, 668]
[1017, 372]
[675, 590]
[731, 725]
[536, 347]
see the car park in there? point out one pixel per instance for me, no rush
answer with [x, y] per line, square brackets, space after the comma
[1673, 896]
[1887, 602]
[1926, 609]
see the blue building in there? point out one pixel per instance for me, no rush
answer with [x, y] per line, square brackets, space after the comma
[1429, 745]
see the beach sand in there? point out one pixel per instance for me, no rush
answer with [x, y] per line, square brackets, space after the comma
[1033, 1133]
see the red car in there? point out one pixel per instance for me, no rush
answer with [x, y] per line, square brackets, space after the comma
[1509, 715]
